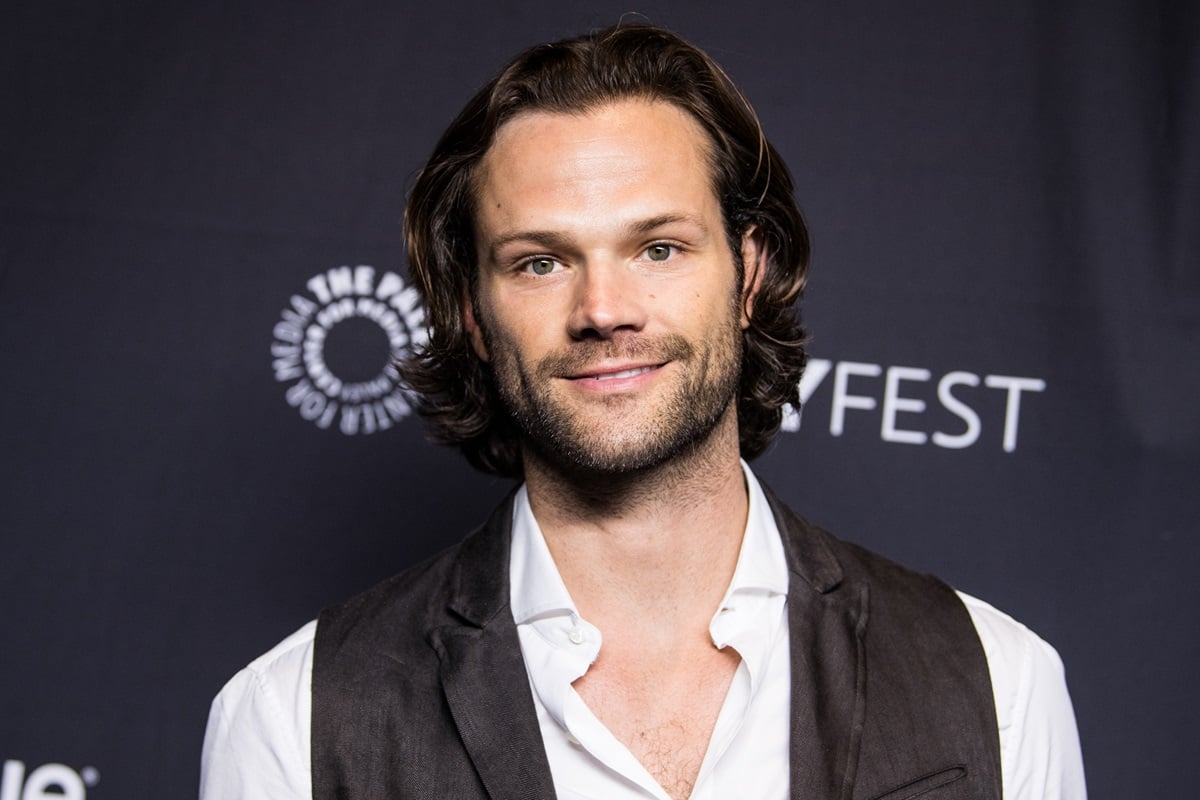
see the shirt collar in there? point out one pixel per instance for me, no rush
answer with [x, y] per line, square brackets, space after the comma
[762, 563]
[537, 589]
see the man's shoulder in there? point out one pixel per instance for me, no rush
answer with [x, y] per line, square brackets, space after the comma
[885, 574]
[289, 663]
[275, 673]
[1014, 653]
[827, 561]
[406, 605]
[468, 580]
[409, 591]
[291, 650]
[905, 606]
[257, 732]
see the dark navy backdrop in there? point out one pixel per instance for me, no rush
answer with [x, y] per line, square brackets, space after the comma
[1005, 201]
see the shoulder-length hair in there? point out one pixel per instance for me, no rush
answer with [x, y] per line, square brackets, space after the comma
[454, 389]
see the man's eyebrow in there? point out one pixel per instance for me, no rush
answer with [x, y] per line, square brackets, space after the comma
[552, 240]
[547, 239]
[648, 225]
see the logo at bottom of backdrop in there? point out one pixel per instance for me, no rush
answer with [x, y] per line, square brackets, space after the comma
[336, 345]
[47, 782]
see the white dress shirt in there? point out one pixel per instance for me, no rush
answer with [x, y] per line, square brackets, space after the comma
[258, 737]
[748, 751]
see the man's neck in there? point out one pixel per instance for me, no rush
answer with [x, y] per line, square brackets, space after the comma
[663, 540]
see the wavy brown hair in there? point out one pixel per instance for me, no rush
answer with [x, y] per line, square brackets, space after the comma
[455, 389]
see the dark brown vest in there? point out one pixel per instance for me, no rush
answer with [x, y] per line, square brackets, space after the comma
[419, 689]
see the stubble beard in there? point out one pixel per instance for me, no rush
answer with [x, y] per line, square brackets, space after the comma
[621, 434]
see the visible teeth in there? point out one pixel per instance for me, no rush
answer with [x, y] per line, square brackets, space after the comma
[627, 373]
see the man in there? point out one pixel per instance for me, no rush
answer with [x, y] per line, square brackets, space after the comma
[610, 254]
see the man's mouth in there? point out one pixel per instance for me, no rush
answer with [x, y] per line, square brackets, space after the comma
[625, 373]
[614, 373]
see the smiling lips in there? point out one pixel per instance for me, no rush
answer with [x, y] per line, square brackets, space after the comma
[617, 365]
[616, 374]
[625, 373]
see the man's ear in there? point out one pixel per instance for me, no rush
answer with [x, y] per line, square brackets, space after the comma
[754, 267]
[473, 329]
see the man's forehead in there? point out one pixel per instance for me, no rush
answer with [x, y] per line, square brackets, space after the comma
[610, 171]
[669, 116]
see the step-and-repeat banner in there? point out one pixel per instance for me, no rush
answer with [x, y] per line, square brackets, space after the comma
[202, 284]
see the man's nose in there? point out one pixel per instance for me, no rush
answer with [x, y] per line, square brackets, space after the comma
[608, 297]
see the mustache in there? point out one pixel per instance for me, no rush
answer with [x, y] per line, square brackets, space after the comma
[582, 355]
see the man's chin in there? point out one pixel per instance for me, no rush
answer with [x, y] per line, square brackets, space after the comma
[633, 450]
[597, 454]
[608, 436]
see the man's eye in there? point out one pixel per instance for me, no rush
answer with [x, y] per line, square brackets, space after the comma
[541, 266]
[659, 252]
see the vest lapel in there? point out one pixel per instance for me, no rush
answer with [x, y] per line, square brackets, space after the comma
[487, 689]
[483, 673]
[827, 617]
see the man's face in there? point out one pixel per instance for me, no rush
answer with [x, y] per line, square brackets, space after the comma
[608, 298]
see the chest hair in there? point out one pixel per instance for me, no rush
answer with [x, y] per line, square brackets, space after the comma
[663, 712]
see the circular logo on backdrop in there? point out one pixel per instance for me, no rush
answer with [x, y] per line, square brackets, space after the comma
[336, 346]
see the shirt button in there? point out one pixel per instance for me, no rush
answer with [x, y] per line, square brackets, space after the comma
[575, 635]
